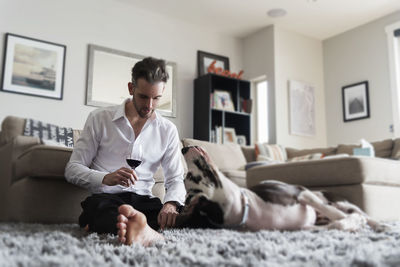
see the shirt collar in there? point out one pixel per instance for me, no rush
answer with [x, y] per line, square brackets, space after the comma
[120, 112]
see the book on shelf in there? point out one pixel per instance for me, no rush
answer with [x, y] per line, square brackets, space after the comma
[212, 136]
[218, 135]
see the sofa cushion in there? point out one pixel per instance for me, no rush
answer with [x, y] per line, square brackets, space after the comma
[42, 161]
[329, 172]
[238, 177]
[292, 152]
[226, 156]
[312, 156]
[11, 127]
[383, 149]
[346, 149]
[396, 149]
[265, 151]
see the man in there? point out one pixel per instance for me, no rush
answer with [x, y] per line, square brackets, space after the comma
[113, 134]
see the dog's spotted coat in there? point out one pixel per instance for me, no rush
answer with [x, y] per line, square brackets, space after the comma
[212, 200]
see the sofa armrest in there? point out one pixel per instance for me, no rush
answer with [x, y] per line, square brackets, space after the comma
[21, 143]
[9, 153]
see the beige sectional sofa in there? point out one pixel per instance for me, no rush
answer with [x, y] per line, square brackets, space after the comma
[372, 183]
[33, 187]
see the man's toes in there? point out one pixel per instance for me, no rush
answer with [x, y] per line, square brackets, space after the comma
[121, 233]
[127, 210]
[121, 225]
[121, 218]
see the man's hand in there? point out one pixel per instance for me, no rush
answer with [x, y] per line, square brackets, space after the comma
[167, 216]
[123, 176]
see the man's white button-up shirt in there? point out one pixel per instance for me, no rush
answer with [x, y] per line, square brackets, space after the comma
[108, 139]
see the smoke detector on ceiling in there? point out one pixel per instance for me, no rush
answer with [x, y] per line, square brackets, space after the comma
[276, 12]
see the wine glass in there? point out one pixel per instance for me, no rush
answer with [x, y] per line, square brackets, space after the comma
[136, 158]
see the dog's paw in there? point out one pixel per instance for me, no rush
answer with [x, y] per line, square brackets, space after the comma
[381, 227]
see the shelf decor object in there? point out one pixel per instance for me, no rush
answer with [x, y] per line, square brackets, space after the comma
[33, 67]
[355, 101]
[229, 135]
[223, 100]
[241, 140]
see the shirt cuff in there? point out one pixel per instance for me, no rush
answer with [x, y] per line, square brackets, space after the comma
[177, 195]
[97, 179]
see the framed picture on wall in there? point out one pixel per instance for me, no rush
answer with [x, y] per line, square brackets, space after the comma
[205, 59]
[355, 101]
[33, 67]
[302, 108]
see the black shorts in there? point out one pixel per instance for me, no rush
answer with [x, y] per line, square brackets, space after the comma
[100, 211]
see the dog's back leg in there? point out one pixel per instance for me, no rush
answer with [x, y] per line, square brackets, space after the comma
[307, 197]
[351, 208]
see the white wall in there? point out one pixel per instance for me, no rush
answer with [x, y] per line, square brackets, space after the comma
[259, 61]
[357, 55]
[114, 24]
[283, 55]
[298, 57]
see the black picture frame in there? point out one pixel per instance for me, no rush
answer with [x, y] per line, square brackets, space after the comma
[33, 67]
[204, 59]
[355, 99]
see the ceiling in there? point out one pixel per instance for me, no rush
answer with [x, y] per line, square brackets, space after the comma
[320, 19]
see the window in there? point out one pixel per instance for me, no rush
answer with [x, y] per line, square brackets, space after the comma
[393, 37]
[262, 111]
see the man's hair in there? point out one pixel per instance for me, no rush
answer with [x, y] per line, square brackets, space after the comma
[151, 69]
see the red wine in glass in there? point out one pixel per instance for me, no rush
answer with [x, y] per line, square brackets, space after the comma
[133, 163]
[136, 159]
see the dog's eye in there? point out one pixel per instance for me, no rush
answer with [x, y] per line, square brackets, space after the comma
[188, 199]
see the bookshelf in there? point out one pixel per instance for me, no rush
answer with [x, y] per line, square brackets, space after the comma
[208, 118]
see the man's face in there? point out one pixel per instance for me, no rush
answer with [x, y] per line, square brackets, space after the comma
[145, 96]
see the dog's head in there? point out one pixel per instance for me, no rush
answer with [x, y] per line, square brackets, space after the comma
[203, 187]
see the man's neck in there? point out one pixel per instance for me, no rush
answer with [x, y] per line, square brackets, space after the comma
[132, 115]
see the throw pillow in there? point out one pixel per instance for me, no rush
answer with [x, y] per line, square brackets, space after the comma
[383, 149]
[396, 149]
[308, 157]
[271, 152]
[48, 133]
[225, 156]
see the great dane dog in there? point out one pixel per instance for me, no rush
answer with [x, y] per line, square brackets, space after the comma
[214, 201]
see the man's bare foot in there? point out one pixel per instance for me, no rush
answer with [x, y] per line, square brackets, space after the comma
[132, 227]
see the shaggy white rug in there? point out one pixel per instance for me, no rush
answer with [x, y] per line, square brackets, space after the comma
[68, 245]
